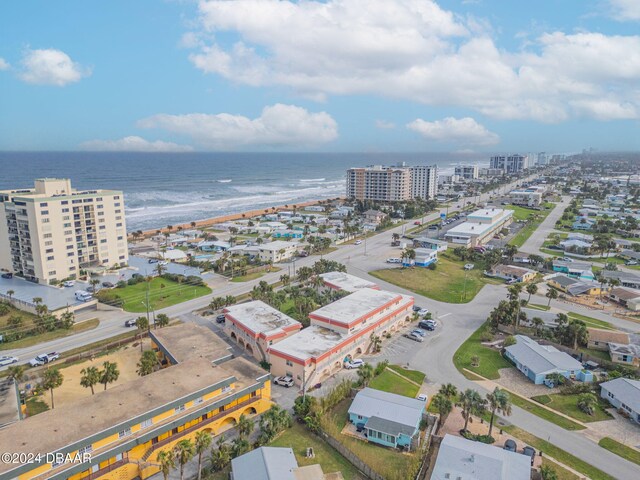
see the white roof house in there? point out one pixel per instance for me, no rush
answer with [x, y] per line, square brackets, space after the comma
[261, 318]
[623, 393]
[273, 463]
[459, 458]
[346, 282]
[372, 403]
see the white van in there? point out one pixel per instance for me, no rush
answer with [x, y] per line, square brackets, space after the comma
[83, 295]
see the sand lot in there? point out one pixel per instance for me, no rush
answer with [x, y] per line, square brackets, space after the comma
[126, 357]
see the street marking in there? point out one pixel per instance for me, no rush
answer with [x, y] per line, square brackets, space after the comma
[445, 315]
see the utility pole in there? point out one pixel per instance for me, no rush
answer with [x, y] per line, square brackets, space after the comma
[147, 302]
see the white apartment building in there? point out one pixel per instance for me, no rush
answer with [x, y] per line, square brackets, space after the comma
[51, 232]
[479, 228]
[510, 164]
[468, 172]
[277, 251]
[392, 184]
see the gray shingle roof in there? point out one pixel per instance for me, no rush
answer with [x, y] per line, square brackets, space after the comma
[265, 463]
[565, 281]
[541, 358]
[625, 390]
[389, 426]
[371, 403]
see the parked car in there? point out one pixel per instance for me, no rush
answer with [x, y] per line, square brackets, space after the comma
[420, 332]
[69, 283]
[44, 359]
[355, 363]
[163, 263]
[566, 259]
[426, 325]
[358, 242]
[423, 397]
[417, 222]
[394, 260]
[83, 295]
[7, 275]
[415, 337]
[303, 253]
[130, 323]
[530, 452]
[153, 260]
[423, 311]
[510, 445]
[285, 381]
[469, 266]
[7, 360]
[108, 285]
[416, 308]
[220, 319]
[631, 262]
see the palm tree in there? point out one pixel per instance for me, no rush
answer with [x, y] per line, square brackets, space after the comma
[162, 320]
[556, 378]
[537, 323]
[376, 342]
[109, 373]
[142, 323]
[52, 379]
[449, 390]
[245, 426]
[167, 463]
[90, 377]
[17, 372]
[587, 403]
[365, 374]
[203, 441]
[531, 289]
[443, 405]
[221, 456]
[184, 451]
[10, 293]
[94, 282]
[498, 401]
[471, 403]
[551, 294]
[285, 279]
[147, 363]
[239, 446]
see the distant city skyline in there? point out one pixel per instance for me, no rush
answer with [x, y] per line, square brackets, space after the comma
[482, 76]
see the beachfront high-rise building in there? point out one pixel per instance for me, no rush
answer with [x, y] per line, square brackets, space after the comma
[51, 232]
[468, 172]
[510, 164]
[392, 184]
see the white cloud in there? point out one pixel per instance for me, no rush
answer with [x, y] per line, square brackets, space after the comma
[464, 131]
[625, 10]
[415, 50]
[134, 144]
[51, 67]
[384, 125]
[4, 65]
[278, 126]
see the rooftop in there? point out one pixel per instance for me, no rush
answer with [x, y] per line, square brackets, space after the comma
[259, 317]
[475, 228]
[357, 305]
[511, 270]
[459, 458]
[346, 282]
[265, 463]
[624, 293]
[625, 390]
[600, 335]
[9, 408]
[385, 406]
[190, 341]
[541, 358]
[310, 342]
[630, 349]
[278, 245]
[111, 408]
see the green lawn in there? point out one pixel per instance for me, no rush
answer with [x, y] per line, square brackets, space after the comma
[162, 293]
[562, 456]
[490, 359]
[299, 438]
[36, 405]
[526, 231]
[47, 336]
[445, 284]
[567, 404]
[545, 414]
[561, 472]
[537, 306]
[591, 322]
[390, 463]
[246, 278]
[620, 449]
[390, 382]
[414, 375]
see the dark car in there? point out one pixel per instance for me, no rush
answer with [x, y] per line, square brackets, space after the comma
[510, 445]
[108, 285]
[130, 323]
[7, 275]
[416, 308]
[426, 325]
[530, 452]
[220, 319]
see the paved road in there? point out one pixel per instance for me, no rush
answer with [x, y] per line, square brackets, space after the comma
[537, 238]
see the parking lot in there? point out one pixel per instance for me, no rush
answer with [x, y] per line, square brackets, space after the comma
[53, 297]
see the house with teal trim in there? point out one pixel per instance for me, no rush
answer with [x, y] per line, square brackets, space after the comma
[387, 419]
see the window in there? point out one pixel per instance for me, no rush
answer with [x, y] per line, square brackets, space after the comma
[147, 423]
[76, 201]
[52, 272]
[85, 449]
[289, 363]
[44, 212]
[45, 220]
[50, 258]
[198, 401]
[124, 433]
[47, 235]
[44, 204]
[64, 202]
[70, 254]
[65, 210]
[66, 225]
[49, 250]
[118, 224]
[48, 243]
[100, 206]
[66, 217]
[179, 408]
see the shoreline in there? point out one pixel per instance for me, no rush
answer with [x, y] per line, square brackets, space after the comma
[209, 222]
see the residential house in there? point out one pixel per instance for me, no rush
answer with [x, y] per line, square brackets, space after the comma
[575, 287]
[273, 463]
[576, 246]
[580, 236]
[459, 458]
[374, 217]
[255, 326]
[389, 419]
[537, 361]
[512, 273]
[627, 297]
[625, 354]
[277, 251]
[630, 255]
[626, 279]
[583, 223]
[430, 244]
[424, 258]
[623, 394]
[599, 338]
[579, 270]
[521, 257]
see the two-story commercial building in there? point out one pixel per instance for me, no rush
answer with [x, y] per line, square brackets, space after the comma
[479, 228]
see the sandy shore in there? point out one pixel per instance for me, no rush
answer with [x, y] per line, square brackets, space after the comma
[231, 217]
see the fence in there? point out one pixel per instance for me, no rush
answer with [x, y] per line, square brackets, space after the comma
[365, 469]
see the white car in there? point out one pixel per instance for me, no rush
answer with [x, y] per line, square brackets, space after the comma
[423, 311]
[394, 260]
[284, 381]
[423, 397]
[355, 363]
[469, 266]
[415, 337]
[69, 283]
[7, 361]
[358, 242]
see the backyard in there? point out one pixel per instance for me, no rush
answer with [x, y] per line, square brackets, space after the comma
[567, 404]
[162, 293]
[489, 360]
[449, 282]
[389, 381]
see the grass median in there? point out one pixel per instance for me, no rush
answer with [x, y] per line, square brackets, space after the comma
[620, 449]
[489, 360]
[48, 336]
[545, 414]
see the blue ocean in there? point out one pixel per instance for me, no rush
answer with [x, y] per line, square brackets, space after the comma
[172, 188]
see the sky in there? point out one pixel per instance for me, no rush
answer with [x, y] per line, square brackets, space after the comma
[331, 75]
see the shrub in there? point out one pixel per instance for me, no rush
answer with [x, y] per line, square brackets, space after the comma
[486, 337]
[478, 438]
[380, 367]
[510, 340]
[432, 266]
